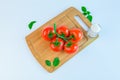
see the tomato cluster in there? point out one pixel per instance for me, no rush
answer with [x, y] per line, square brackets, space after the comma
[62, 38]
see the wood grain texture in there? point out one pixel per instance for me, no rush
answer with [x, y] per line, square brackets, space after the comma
[40, 48]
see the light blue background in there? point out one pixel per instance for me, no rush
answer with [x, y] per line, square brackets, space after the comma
[99, 61]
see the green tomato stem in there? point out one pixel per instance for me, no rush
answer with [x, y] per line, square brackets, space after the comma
[58, 34]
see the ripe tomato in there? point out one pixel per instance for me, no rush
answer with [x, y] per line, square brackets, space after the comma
[63, 31]
[57, 44]
[48, 33]
[76, 35]
[70, 47]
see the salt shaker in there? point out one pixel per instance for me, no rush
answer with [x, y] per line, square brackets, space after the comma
[94, 30]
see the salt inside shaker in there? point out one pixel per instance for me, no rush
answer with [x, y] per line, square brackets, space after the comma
[94, 30]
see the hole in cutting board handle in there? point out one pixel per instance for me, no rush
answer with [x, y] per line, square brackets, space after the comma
[83, 25]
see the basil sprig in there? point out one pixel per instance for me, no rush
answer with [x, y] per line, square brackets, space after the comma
[86, 13]
[55, 62]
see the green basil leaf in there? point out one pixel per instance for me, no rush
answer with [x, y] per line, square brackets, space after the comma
[84, 13]
[56, 61]
[88, 12]
[83, 8]
[89, 17]
[31, 24]
[48, 63]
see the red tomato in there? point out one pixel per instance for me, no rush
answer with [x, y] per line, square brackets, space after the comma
[76, 35]
[70, 47]
[57, 44]
[48, 33]
[63, 31]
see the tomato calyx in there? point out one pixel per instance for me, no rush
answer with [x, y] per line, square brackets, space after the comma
[70, 47]
[56, 43]
[63, 31]
[69, 44]
[76, 35]
[71, 37]
[50, 35]
[62, 34]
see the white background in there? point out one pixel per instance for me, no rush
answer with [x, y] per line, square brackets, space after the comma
[98, 61]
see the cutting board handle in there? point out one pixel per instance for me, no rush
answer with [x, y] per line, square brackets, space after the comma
[75, 12]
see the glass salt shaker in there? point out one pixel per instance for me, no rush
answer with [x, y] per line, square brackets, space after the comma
[94, 30]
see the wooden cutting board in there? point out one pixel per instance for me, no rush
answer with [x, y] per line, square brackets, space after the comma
[40, 48]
